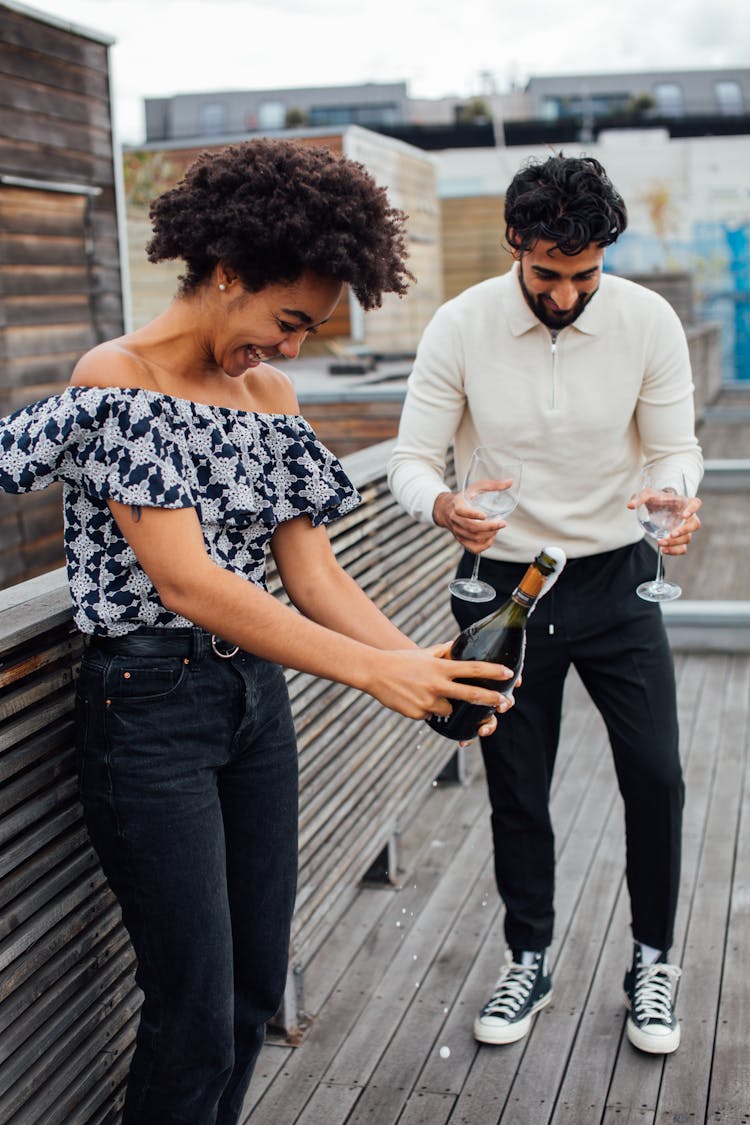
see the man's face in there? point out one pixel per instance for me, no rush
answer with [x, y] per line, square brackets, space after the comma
[558, 286]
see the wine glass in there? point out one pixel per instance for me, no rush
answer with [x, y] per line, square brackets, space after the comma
[492, 483]
[663, 499]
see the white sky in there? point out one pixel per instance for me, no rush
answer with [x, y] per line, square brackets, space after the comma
[438, 47]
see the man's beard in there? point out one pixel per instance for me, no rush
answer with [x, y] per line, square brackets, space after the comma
[544, 313]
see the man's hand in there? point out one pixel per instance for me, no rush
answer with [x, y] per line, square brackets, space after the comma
[472, 527]
[676, 543]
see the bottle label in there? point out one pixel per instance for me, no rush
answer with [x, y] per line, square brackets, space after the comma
[520, 597]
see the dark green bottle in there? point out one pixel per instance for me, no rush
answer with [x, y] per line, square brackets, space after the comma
[499, 638]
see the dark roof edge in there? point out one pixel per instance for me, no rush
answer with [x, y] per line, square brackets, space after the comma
[56, 21]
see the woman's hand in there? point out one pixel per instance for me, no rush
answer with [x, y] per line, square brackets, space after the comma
[421, 682]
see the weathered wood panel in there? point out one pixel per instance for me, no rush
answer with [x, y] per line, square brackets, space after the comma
[60, 289]
[472, 241]
[346, 427]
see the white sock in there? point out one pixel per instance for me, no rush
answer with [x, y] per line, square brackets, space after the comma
[649, 955]
[526, 957]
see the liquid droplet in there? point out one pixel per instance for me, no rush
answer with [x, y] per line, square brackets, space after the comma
[445, 1052]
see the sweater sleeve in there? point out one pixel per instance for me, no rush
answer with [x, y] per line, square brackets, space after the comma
[433, 408]
[665, 413]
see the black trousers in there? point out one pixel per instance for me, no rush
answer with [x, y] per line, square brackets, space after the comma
[594, 620]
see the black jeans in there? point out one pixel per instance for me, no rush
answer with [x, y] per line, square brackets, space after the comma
[188, 776]
[593, 619]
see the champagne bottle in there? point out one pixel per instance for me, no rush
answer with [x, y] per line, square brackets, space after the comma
[499, 638]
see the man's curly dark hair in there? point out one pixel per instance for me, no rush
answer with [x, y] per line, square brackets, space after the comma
[566, 200]
[272, 209]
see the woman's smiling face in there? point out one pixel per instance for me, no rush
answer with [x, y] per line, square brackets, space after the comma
[254, 328]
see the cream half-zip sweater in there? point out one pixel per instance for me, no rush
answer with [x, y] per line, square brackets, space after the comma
[584, 408]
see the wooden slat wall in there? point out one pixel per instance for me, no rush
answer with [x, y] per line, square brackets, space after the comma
[346, 427]
[68, 1004]
[59, 256]
[410, 177]
[472, 238]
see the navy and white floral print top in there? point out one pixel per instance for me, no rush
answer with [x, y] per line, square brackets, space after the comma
[244, 473]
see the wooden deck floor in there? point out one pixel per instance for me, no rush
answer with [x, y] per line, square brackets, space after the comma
[393, 993]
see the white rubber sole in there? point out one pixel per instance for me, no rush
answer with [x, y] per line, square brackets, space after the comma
[650, 1042]
[511, 1032]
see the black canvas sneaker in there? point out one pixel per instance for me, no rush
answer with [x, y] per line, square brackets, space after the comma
[649, 993]
[521, 990]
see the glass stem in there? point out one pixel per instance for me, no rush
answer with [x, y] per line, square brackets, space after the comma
[659, 568]
[475, 571]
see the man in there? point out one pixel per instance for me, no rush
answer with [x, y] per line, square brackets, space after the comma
[587, 378]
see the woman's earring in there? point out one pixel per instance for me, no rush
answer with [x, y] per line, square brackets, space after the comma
[222, 286]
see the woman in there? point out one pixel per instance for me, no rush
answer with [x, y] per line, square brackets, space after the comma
[183, 454]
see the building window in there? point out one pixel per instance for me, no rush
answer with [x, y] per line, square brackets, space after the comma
[271, 115]
[729, 97]
[669, 100]
[556, 107]
[375, 113]
[213, 119]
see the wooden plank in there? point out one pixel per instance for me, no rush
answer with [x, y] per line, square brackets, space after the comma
[26, 33]
[54, 134]
[85, 950]
[329, 1103]
[49, 340]
[729, 1092]
[36, 210]
[73, 998]
[45, 828]
[424, 1108]
[56, 1091]
[24, 96]
[31, 249]
[30, 280]
[39, 929]
[45, 869]
[52, 73]
[21, 157]
[273, 1057]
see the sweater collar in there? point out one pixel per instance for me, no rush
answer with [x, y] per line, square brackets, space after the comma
[521, 319]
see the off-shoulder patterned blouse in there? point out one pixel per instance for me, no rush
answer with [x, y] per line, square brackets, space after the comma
[244, 473]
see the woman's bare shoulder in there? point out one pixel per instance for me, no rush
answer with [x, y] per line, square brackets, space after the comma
[271, 391]
[110, 364]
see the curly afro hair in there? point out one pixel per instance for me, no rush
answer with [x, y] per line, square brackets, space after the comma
[272, 209]
[566, 200]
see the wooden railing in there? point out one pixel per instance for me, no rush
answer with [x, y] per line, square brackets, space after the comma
[68, 1002]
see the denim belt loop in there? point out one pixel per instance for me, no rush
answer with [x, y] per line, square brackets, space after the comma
[199, 644]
